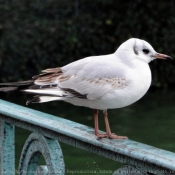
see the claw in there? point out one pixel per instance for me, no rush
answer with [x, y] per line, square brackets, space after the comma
[114, 136]
[99, 135]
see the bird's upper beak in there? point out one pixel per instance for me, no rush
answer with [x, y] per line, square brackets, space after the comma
[161, 56]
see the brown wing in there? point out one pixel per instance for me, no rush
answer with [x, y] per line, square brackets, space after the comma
[48, 76]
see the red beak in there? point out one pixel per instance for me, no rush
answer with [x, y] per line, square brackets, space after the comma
[162, 56]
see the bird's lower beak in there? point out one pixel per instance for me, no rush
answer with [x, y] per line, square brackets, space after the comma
[162, 56]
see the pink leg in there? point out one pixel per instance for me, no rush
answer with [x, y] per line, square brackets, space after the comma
[99, 135]
[108, 130]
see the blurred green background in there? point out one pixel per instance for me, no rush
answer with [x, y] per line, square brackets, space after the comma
[36, 34]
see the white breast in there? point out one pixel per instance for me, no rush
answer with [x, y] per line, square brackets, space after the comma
[139, 83]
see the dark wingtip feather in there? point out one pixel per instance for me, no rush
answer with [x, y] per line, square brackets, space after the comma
[35, 99]
[8, 89]
[19, 83]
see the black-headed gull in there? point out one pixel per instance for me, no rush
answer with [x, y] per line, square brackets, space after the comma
[98, 82]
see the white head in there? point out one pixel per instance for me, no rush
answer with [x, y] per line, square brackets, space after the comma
[138, 49]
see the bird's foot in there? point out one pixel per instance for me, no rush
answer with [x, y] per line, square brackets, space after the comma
[99, 135]
[110, 135]
[114, 136]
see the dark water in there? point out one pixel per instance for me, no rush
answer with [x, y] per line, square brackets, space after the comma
[151, 121]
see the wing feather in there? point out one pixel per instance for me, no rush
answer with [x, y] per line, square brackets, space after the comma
[89, 78]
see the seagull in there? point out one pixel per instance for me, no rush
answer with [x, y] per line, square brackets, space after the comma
[97, 82]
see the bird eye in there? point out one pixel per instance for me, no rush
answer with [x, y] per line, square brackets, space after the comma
[146, 51]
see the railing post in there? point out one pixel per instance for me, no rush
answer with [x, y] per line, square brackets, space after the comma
[7, 148]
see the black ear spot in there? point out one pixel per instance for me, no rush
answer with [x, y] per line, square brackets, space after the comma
[135, 51]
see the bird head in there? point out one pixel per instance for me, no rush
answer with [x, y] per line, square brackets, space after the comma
[139, 49]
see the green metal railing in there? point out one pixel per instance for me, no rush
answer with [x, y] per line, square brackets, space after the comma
[48, 131]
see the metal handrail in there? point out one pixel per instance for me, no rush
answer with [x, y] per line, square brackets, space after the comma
[136, 157]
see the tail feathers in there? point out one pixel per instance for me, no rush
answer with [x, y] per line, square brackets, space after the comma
[8, 89]
[20, 83]
[48, 92]
[35, 99]
[14, 86]
[42, 99]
